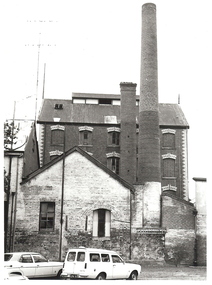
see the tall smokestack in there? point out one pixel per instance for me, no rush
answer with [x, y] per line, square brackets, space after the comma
[148, 188]
[128, 132]
[149, 143]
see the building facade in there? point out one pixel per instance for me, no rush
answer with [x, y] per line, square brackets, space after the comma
[93, 122]
[113, 173]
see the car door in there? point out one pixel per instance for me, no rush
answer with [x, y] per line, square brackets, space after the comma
[119, 269]
[27, 265]
[79, 263]
[42, 266]
[70, 262]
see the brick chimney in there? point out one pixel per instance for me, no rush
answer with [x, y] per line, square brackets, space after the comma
[149, 140]
[128, 132]
[149, 172]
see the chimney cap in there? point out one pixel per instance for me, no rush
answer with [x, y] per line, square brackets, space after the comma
[149, 5]
[128, 84]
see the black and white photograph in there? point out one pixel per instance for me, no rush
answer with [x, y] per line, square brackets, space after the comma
[107, 149]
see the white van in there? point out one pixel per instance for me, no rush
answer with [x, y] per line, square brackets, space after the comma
[93, 263]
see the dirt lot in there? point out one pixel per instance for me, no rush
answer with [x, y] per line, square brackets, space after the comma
[173, 273]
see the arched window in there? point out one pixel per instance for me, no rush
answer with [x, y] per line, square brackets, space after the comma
[101, 223]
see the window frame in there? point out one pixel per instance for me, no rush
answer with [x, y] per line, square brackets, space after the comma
[113, 138]
[88, 141]
[41, 228]
[113, 163]
[97, 222]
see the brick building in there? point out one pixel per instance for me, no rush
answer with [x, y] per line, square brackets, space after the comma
[114, 173]
[98, 122]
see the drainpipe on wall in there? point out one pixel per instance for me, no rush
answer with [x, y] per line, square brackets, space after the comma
[61, 211]
[195, 233]
[130, 248]
[62, 201]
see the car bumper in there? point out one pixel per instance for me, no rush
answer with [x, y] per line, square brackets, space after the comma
[65, 275]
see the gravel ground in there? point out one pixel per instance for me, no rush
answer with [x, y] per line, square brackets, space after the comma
[173, 273]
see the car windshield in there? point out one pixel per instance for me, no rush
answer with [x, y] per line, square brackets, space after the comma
[7, 257]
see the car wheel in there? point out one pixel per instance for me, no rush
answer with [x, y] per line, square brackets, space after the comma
[59, 273]
[101, 276]
[133, 275]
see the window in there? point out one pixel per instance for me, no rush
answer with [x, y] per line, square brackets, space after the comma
[113, 136]
[85, 135]
[113, 164]
[116, 259]
[71, 256]
[101, 223]
[168, 140]
[81, 256]
[94, 257]
[47, 215]
[26, 258]
[105, 101]
[168, 167]
[105, 257]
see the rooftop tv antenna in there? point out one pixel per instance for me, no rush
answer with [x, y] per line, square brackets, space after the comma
[178, 99]
[36, 95]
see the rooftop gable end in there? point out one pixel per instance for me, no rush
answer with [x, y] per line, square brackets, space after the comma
[87, 156]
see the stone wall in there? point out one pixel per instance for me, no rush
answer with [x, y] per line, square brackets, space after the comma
[85, 189]
[178, 217]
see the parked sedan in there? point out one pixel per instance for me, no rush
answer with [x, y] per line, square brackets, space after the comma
[33, 264]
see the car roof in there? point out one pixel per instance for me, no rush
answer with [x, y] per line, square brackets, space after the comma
[92, 249]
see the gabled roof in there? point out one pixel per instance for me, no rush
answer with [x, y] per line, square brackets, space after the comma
[87, 156]
[169, 114]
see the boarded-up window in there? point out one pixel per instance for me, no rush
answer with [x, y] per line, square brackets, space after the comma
[101, 223]
[168, 167]
[57, 137]
[169, 140]
[47, 215]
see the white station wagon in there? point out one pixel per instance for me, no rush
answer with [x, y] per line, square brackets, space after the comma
[92, 263]
[33, 264]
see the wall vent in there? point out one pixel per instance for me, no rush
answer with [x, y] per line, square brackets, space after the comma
[58, 106]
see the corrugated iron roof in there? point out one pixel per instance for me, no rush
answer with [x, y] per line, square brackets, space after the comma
[169, 114]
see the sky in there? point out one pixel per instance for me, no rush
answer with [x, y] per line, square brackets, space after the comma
[92, 46]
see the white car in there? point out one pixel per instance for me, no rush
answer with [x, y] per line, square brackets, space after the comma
[32, 264]
[14, 274]
[93, 263]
